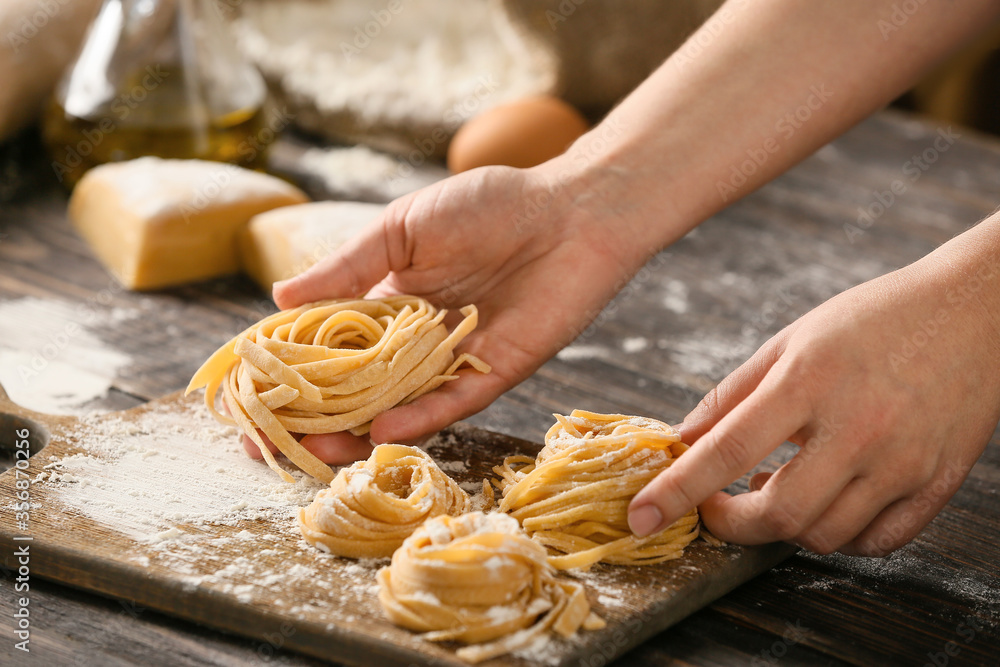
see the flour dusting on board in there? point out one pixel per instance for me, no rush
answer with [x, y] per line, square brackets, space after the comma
[155, 476]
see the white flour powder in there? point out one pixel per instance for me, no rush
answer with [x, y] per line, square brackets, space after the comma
[429, 63]
[50, 361]
[158, 476]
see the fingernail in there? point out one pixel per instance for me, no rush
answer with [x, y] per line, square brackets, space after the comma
[753, 484]
[644, 520]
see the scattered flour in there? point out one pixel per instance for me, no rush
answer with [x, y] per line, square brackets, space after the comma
[706, 356]
[675, 298]
[150, 477]
[575, 352]
[453, 466]
[49, 359]
[634, 344]
[610, 601]
[543, 650]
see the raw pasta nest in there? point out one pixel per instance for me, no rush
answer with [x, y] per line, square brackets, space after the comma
[478, 578]
[372, 506]
[573, 497]
[331, 366]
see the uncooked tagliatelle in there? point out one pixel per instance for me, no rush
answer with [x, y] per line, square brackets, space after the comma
[573, 497]
[478, 579]
[331, 366]
[372, 506]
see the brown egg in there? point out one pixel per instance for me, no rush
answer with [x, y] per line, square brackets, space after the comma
[518, 134]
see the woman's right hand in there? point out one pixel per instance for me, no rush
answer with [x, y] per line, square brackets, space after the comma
[514, 243]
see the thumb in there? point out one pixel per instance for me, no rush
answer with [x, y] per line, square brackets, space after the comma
[350, 271]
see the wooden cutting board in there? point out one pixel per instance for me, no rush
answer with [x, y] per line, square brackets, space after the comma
[242, 567]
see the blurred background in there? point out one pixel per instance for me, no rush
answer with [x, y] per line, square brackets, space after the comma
[366, 95]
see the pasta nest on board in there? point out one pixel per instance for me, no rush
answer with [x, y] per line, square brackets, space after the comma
[478, 579]
[573, 497]
[372, 506]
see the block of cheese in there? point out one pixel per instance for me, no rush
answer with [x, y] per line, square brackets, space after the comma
[155, 223]
[285, 242]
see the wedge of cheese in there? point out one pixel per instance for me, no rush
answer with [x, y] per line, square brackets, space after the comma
[282, 243]
[156, 223]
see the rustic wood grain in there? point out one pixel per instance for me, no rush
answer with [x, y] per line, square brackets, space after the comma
[782, 248]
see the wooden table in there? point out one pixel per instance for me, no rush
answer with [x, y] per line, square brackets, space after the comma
[702, 307]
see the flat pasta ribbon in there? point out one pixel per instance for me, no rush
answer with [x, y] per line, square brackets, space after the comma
[478, 579]
[372, 506]
[331, 366]
[573, 497]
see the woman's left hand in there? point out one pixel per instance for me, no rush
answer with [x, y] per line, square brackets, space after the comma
[891, 390]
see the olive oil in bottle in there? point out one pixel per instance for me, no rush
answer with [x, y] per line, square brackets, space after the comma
[157, 77]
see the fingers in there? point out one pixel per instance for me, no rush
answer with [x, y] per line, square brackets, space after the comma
[901, 521]
[251, 448]
[788, 503]
[757, 481]
[430, 413]
[338, 449]
[732, 390]
[859, 504]
[872, 515]
[349, 272]
[331, 448]
[731, 448]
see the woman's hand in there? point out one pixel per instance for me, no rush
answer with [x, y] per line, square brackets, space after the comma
[510, 241]
[891, 390]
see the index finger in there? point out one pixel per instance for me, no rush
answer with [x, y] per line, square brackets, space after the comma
[754, 428]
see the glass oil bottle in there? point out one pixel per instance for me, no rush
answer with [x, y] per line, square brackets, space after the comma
[157, 77]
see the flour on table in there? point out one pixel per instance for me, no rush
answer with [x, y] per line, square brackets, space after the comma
[634, 344]
[50, 360]
[675, 297]
[576, 352]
